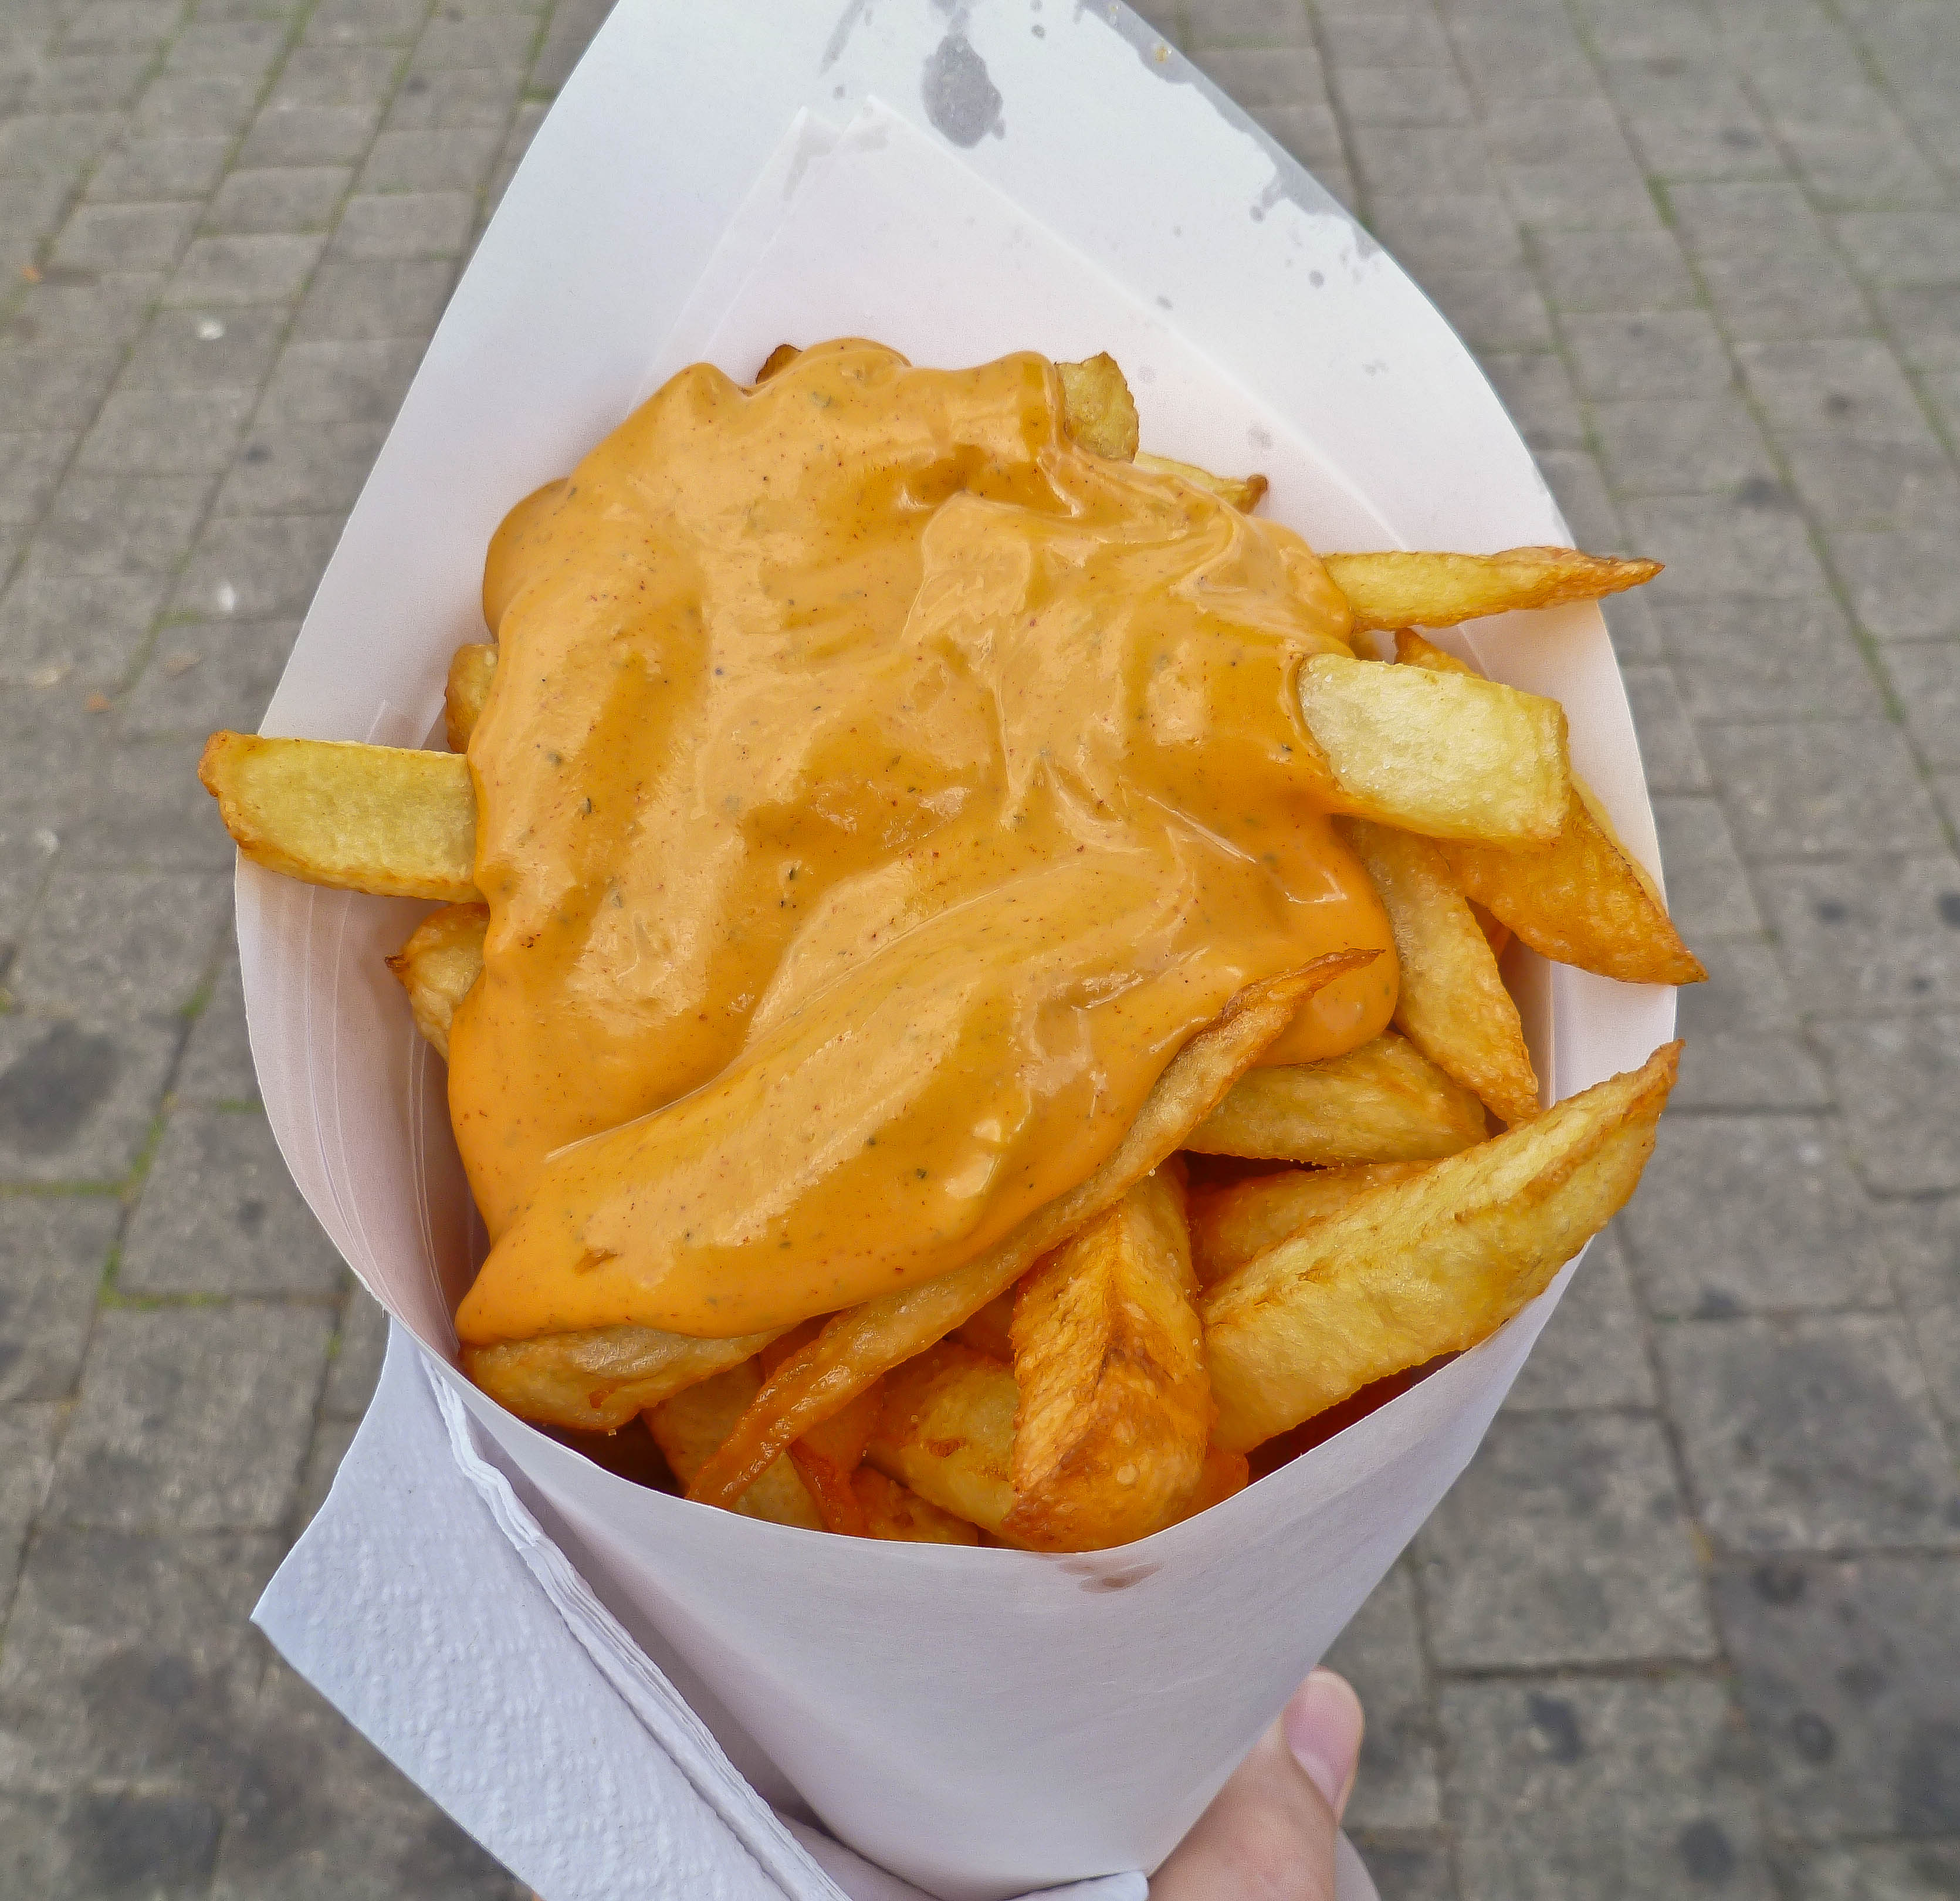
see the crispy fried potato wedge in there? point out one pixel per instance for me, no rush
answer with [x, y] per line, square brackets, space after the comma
[438, 965]
[1223, 1474]
[689, 1428]
[1233, 1222]
[1456, 757]
[1416, 1269]
[858, 1344]
[946, 1432]
[829, 1456]
[778, 359]
[892, 1511]
[1453, 1004]
[1385, 1102]
[1395, 590]
[466, 692]
[380, 819]
[988, 1331]
[1242, 492]
[1583, 899]
[1097, 407]
[1115, 1404]
[597, 1380]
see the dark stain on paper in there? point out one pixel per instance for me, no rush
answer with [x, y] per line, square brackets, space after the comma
[961, 100]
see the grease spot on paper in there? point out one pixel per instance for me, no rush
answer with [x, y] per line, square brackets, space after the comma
[961, 99]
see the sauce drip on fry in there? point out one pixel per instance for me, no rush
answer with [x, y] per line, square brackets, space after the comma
[876, 791]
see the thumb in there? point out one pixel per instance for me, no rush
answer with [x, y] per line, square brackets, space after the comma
[1270, 1830]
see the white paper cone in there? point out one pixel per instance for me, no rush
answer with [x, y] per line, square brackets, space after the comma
[981, 1722]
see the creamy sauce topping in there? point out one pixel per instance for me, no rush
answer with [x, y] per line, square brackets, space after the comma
[876, 791]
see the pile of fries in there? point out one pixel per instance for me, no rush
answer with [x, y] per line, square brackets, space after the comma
[1265, 1245]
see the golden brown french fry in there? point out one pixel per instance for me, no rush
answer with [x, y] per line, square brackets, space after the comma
[829, 1456]
[1585, 898]
[1450, 757]
[689, 1428]
[1431, 1266]
[1242, 492]
[1453, 1004]
[891, 1512]
[778, 359]
[471, 671]
[1233, 1222]
[1385, 1102]
[597, 1381]
[1398, 589]
[1115, 1405]
[1223, 1474]
[380, 819]
[867, 1340]
[987, 1332]
[437, 965]
[1097, 406]
[946, 1432]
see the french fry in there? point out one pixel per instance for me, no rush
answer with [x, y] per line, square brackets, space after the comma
[777, 360]
[1223, 1474]
[1453, 757]
[689, 1426]
[987, 1332]
[1242, 492]
[865, 1341]
[1233, 1222]
[1115, 1405]
[892, 1511]
[1430, 1265]
[597, 1380]
[1385, 1102]
[438, 965]
[829, 1456]
[380, 819]
[1097, 407]
[1585, 898]
[946, 1432]
[1398, 589]
[1453, 1004]
[471, 670]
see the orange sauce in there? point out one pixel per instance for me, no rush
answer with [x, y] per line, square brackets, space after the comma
[876, 791]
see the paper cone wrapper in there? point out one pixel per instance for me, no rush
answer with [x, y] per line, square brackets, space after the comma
[982, 1722]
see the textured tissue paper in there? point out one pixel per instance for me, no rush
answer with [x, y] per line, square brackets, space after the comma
[620, 1694]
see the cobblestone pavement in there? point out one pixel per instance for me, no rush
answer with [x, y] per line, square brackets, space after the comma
[1692, 1620]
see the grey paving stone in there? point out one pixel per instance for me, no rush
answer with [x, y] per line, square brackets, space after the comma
[85, 629]
[1926, 677]
[165, 432]
[1406, 1869]
[198, 350]
[1266, 76]
[256, 569]
[1897, 1079]
[33, 464]
[1580, 491]
[1397, 159]
[1619, 271]
[1668, 744]
[1563, 1542]
[1926, 1274]
[120, 943]
[86, 1846]
[1809, 1435]
[1593, 1352]
[1754, 545]
[26, 1456]
[1871, 1871]
[53, 145]
[270, 267]
[1923, 319]
[129, 1660]
[192, 1418]
[76, 1098]
[1717, 136]
[336, 75]
[1654, 354]
[1537, 392]
[217, 1066]
[1902, 247]
[356, 302]
[1869, 936]
[1850, 1674]
[355, 1367]
[288, 133]
[218, 674]
[1277, 22]
[1875, 485]
[330, 1439]
[1898, 586]
[1744, 1051]
[1708, 891]
[1699, 445]
[455, 160]
[1380, 1652]
[1433, 232]
[53, 1250]
[145, 809]
[300, 467]
[367, 22]
[110, 524]
[322, 1815]
[1750, 659]
[191, 105]
[1807, 788]
[1852, 389]
[1582, 133]
[281, 198]
[121, 237]
[1756, 1214]
[51, 386]
[220, 1215]
[141, 169]
[404, 224]
[1565, 1789]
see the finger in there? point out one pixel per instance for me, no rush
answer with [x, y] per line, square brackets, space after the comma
[1268, 1835]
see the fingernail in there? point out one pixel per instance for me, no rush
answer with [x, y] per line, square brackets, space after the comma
[1322, 1726]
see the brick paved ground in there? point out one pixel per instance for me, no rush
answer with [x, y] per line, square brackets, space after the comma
[1692, 1621]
